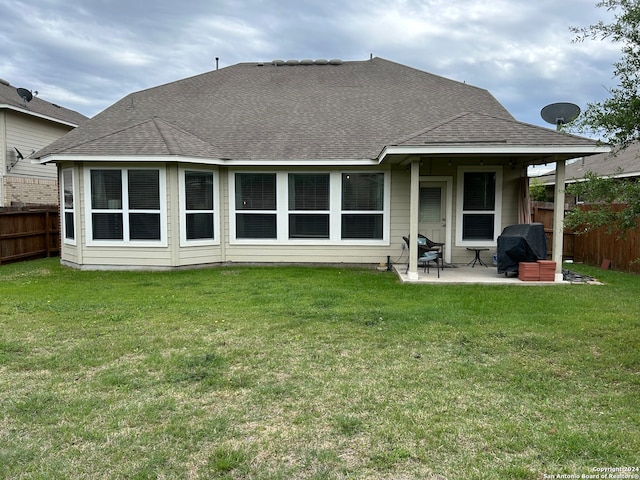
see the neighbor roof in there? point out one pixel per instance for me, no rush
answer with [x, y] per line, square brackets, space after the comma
[619, 164]
[38, 107]
[302, 112]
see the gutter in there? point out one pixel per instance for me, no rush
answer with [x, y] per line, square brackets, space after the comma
[487, 150]
[36, 114]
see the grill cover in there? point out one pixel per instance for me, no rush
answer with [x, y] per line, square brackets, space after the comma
[520, 243]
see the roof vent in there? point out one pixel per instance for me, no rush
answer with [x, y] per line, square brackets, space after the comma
[277, 63]
[335, 61]
[321, 61]
[306, 61]
[292, 63]
[4, 82]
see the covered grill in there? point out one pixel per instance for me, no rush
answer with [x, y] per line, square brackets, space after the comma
[520, 243]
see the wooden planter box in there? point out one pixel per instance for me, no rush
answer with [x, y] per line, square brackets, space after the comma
[547, 270]
[529, 271]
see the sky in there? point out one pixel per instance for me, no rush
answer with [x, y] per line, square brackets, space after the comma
[87, 54]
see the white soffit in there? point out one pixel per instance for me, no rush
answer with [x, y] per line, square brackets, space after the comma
[475, 150]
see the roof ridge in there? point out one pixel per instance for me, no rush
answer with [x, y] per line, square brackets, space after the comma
[165, 128]
[409, 136]
[169, 140]
[114, 132]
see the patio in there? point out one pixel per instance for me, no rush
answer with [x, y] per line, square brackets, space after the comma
[463, 274]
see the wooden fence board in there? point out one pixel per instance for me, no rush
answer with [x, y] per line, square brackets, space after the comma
[28, 234]
[596, 246]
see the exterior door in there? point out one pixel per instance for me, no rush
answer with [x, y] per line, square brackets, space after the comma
[432, 220]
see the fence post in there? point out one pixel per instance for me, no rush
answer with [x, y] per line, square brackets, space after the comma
[47, 233]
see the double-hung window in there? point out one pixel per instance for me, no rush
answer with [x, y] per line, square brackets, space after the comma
[127, 205]
[309, 205]
[68, 207]
[199, 224]
[480, 198]
[297, 207]
[362, 205]
[255, 200]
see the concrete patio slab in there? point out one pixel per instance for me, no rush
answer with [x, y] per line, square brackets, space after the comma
[462, 274]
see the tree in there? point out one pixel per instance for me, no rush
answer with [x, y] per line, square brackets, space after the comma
[617, 119]
[601, 193]
[538, 191]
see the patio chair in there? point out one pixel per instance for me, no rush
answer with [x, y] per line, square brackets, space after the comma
[428, 251]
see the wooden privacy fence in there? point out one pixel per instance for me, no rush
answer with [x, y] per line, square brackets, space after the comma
[542, 212]
[26, 234]
[596, 246]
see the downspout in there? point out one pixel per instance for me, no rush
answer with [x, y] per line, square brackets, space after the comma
[558, 219]
[412, 273]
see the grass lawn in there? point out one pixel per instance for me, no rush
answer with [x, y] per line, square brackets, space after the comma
[318, 373]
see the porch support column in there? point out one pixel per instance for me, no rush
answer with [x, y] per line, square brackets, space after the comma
[558, 219]
[412, 274]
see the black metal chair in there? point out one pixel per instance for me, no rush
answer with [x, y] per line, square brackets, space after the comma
[428, 251]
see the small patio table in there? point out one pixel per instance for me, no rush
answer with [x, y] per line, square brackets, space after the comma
[477, 258]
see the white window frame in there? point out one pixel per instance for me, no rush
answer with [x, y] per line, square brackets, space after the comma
[309, 212]
[385, 208]
[497, 212]
[335, 210]
[65, 210]
[125, 211]
[184, 241]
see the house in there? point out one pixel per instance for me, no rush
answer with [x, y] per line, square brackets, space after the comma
[623, 164]
[27, 124]
[299, 162]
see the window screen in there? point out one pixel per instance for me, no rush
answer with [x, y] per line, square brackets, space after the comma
[479, 191]
[362, 192]
[255, 191]
[106, 189]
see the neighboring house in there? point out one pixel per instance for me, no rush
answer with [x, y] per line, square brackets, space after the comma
[623, 164]
[297, 162]
[27, 126]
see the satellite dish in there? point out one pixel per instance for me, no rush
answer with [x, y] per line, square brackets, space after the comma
[25, 94]
[560, 113]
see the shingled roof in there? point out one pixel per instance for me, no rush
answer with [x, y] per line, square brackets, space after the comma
[619, 164]
[307, 111]
[473, 127]
[39, 107]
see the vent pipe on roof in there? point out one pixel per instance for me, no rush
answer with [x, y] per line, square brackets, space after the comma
[217, 59]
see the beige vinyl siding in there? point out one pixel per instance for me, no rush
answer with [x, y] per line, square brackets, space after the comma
[400, 206]
[117, 256]
[3, 147]
[192, 254]
[175, 255]
[298, 252]
[29, 134]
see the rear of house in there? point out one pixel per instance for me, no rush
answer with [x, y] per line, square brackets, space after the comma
[296, 162]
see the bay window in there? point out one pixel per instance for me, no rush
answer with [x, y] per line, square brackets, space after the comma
[199, 220]
[126, 205]
[68, 207]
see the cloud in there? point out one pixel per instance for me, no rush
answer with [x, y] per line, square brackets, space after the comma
[87, 55]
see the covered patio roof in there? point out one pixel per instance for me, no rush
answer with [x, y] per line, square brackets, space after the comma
[473, 134]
